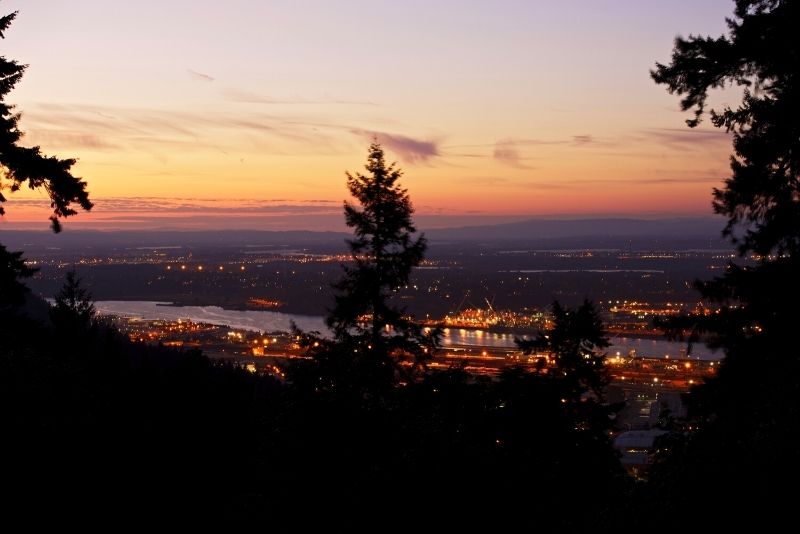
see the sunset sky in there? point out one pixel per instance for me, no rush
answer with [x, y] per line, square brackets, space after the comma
[244, 114]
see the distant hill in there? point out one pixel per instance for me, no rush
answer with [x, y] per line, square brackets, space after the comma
[703, 227]
[617, 233]
[26, 240]
[669, 233]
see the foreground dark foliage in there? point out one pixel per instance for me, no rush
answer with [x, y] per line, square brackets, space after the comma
[738, 451]
[106, 428]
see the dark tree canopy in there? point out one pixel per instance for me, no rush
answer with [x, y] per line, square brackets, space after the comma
[760, 54]
[578, 377]
[22, 165]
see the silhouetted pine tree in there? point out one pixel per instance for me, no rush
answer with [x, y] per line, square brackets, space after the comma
[745, 450]
[371, 332]
[20, 166]
[23, 165]
[73, 311]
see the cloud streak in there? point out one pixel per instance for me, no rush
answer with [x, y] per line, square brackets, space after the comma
[177, 205]
[164, 133]
[687, 139]
[199, 76]
[582, 139]
[69, 139]
[506, 151]
[410, 150]
[249, 97]
[512, 152]
[167, 134]
[500, 182]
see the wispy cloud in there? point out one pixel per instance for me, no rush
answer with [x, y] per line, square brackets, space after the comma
[507, 146]
[232, 207]
[507, 151]
[249, 97]
[582, 139]
[665, 177]
[164, 133]
[488, 181]
[688, 138]
[68, 139]
[514, 152]
[199, 76]
[410, 150]
[168, 134]
[503, 182]
[181, 206]
[693, 176]
[697, 178]
[326, 222]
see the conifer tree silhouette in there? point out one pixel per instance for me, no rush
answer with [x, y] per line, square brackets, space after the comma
[747, 415]
[27, 166]
[369, 329]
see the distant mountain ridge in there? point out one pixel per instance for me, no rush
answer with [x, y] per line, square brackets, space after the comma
[702, 232]
[704, 227]
[16, 239]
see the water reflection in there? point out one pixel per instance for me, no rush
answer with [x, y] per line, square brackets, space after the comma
[269, 321]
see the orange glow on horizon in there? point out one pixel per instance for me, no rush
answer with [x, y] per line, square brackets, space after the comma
[525, 122]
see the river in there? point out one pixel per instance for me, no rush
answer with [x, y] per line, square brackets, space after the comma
[270, 321]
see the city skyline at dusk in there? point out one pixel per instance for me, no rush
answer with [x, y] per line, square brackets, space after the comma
[571, 306]
[208, 115]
